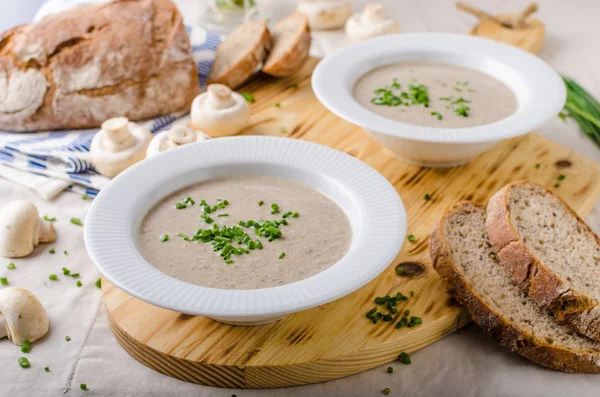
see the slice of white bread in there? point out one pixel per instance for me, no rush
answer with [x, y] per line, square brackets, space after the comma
[465, 259]
[291, 42]
[240, 54]
[551, 253]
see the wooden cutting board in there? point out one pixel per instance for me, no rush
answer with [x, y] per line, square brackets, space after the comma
[336, 339]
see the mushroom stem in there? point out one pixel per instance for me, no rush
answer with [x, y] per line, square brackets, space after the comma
[373, 13]
[3, 328]
[46, 234]
[182, 134]
[219, 96]
[117, 132]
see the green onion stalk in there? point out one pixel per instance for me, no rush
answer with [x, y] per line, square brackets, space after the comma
[582, 107]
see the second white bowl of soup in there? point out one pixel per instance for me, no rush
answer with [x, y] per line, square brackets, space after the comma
[439, 99]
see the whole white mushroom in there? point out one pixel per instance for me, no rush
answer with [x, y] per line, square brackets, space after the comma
[371, 22]
[21, 229]
[220, 111]
[177, 136]
[22, 316]
[118, 145]
[325, 14]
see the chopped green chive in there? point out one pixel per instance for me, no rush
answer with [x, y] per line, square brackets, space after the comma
[437, 114]
[411, 238]
[277, 105]
[49, 219]
[282, 255]
[84, 196]
[404, 358]
[75, 275]
[79, 284]
[462, 110]
[387, 390]
[180, 206]
[261, 202]
[229, 261]
[66, 271]
[83, 386]
[427, 196]
[274, 209]
[557, 185]
[390, 370]
[26, 348]
[68, 338]
[222, 215]
[65, 252]
[248, 97]
[53, 277]
[76, 221]
[52, 250]
[538, 165]
[561, 177]
[11, 266]
[47, 369]
[164, 237]
[23, 362]
[98, 283]
[3, 281]
[400, 270]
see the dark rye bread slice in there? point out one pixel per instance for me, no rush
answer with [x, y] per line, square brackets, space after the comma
[465, 259]
[291, 42]
[551, 253]
[240, 54]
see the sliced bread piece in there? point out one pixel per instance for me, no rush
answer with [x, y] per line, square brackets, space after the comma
[291, 42]
[240, 54]
[551, 253]
[465, 259]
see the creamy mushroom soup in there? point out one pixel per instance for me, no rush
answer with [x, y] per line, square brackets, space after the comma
[435, 95]
[245, 232]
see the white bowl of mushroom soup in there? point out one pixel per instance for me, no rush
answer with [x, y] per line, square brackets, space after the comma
[245, 229]
[438, 99]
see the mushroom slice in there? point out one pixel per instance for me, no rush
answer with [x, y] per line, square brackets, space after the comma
[219, 111]
[21, 229]
[22, 316]
[118, 145]
[177, 136]
[371, 22]
[325, 14]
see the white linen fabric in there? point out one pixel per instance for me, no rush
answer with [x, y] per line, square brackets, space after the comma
[465, 364]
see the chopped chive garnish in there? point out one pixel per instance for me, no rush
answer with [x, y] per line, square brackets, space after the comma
[277, 105]
[411, 238]
[387, 390]
[538, 165]
[3, 281]
[52, 250]
[180, 206]
[68, 338]
[49, 219]
[75, 275]
[557, 185]
[282, 255]
[98, 283]
[53, 277]
[400, 270]
[274, 209]
[561, 177]
[26, 348]
[228, 261]
[437, 114]
[76, 221]
[222, 215]
[66, 271]
[248, 97]
[427, 196]
[261, 202]
[164, 237]
[84, 196]
[11, 266]
[404, 358]
[83, 386]
[65, 252]
[462, 110]
[79, 284]
[47, 369]
[23, 362]
[390, 370]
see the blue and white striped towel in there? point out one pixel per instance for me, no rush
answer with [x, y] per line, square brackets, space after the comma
[63, 155]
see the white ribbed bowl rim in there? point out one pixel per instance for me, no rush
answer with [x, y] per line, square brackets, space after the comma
[110, 230]
[541, 91]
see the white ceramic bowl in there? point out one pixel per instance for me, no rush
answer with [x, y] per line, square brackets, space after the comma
[539, 89]
[375, 211]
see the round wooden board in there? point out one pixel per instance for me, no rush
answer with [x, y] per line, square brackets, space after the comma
[530, 38]
[336, 340]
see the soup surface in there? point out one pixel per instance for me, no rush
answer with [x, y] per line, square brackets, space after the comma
[435, 95]
[317, 234]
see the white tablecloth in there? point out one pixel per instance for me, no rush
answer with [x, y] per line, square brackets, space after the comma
[466, 363]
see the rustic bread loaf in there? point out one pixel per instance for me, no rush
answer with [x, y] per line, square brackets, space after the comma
[291, 42]
[465, 259]
[240, 54]
[551, 253]
[80, 67]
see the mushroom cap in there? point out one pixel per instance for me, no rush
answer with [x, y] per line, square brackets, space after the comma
[220, 111]
[371, 22]
[325, 14]
[21, 229]
[24, 316]
[161, 142]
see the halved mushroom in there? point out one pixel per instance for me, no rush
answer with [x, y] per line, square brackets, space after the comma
[21, 229]
[371, 22]
[177, 136]
[118, 145]
[22, 316]
[220, 111]
[325, 14]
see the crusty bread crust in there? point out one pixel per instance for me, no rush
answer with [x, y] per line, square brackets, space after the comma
[77, 68]
[286, 63]
[569, 306]
[502, 330]
[235, 74]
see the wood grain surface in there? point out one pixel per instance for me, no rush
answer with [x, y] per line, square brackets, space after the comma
[336, 340]
[530, 38]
